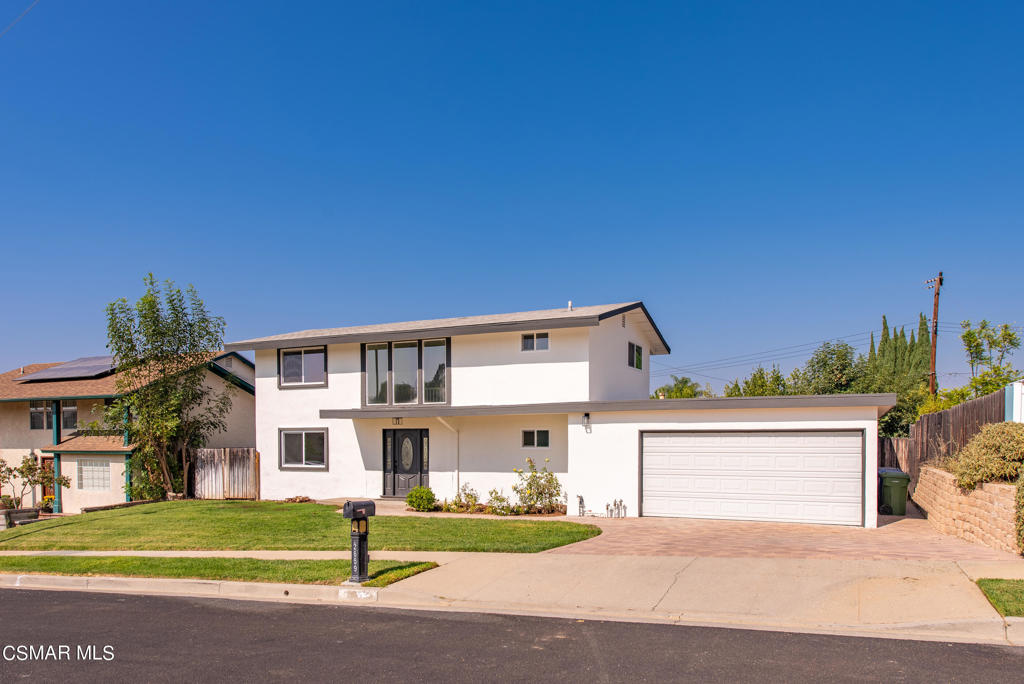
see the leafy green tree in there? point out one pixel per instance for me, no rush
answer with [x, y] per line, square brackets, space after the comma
[682, 388]
[832, 369]
[161, 347]
[988, 349]
[761, 383]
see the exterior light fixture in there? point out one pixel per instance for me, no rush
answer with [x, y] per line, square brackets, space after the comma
[586, 421]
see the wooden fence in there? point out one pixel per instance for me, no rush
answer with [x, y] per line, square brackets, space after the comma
[226, 473]
[937, 435]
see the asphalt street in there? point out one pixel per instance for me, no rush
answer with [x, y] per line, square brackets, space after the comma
[161, 639]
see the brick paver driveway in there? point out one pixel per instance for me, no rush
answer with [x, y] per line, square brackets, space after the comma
[906, 538]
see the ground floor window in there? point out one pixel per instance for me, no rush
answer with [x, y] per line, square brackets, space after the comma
[536, 438]
[94, 474]
[304, 449]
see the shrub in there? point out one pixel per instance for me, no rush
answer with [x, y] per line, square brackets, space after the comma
[499, 504]
[467, 497]
[996, 453]
[539, 490]
[421, 499]
[7, 501]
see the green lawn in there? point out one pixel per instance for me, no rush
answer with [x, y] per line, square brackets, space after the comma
[382, 573]
[193, 525]
[1006, 595]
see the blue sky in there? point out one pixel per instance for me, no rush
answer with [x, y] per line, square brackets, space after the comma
[761, 174]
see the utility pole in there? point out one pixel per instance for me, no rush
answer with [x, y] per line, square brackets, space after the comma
[934, 284]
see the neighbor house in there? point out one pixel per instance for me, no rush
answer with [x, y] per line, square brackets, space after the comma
[375, 410]
[43, 407]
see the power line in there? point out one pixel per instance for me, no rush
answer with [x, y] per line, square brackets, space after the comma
[792, 351]
[19, 18]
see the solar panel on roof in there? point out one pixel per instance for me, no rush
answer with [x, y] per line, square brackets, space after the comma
[85, 367]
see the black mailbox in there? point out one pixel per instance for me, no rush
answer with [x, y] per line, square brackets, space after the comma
[359, 509]
[359, 513]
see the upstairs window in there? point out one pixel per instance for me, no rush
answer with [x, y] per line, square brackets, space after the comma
[435, 364]
[407, 372]
[303, 367]
[534, 342]
[40, 415]
[635, 356]
[376, 373]
[69, 414]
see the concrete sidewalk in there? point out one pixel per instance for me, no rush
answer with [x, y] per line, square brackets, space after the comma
[908, 599]
[920, 599]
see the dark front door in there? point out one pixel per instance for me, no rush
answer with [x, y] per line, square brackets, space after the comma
[405, 461]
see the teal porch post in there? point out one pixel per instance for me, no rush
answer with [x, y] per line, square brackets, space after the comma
[56, 415]
[57, 508]
[127, 477]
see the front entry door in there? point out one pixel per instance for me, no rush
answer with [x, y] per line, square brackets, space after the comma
[405, 461]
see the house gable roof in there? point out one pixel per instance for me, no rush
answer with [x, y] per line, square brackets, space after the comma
[16, 385]
[578, 316]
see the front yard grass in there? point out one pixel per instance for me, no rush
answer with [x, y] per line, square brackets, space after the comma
[1007, 596]
[246, 525]
[333, 572]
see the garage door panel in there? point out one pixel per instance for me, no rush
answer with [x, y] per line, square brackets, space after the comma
[791, 477]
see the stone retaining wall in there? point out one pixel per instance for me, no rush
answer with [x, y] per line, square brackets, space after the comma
[984, 516]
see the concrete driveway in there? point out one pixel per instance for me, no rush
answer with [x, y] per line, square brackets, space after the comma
[903, 579]
[898, 538]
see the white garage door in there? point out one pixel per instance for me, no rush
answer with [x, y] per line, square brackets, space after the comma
[814, 477]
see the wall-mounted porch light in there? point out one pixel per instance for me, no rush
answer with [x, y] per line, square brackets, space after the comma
[586, 422]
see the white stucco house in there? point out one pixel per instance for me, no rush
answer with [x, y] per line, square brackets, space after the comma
[372, 411]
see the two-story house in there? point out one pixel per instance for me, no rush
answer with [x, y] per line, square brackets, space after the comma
[375, 410]
[44, 405]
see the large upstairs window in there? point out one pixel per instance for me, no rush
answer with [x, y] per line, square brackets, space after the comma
[40, 415]
[406, 372]
[306, 367]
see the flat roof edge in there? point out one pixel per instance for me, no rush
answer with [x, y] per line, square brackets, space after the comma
[880, 402]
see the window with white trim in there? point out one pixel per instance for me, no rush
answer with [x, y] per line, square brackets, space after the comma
[304, 449]
[305, 367]
[635, 356]
[536, 439]
[94, 474]
[534, 342]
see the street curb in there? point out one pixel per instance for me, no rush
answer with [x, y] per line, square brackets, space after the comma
[396, 598]
[1015, 630]
[258, 591]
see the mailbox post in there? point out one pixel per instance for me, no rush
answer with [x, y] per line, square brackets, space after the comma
[359, 513]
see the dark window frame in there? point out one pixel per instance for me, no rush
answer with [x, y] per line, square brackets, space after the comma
[535, 438]
[635, 356]
[281, 432]
[64, 410]
[46, 410]
[300, 385]
[533, 338]
[420, 388]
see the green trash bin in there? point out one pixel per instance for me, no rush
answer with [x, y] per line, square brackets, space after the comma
[892, 491]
